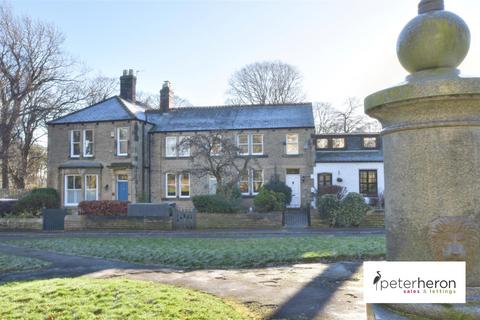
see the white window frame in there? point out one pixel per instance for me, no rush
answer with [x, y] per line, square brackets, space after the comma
[87, 189]
[119, 141]
[287, 144]
[185, 148]
[72, 143]
[166, 185]
[168, 141]
[253, 180]
[219, 147]
[344, 142]
[65, 189]
[85, 145]
[252, 144]
[248, 184]
[180, 179]
[243, 144]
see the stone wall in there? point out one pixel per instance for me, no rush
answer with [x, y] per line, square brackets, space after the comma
[77, 222]
[21, 224]
[271, 220]
[316, 222]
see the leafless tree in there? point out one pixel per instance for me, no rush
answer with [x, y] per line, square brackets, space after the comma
[266, 83]
[98, 88]
[324, 117]
[216, 154]
[153, 100]
[31, 58]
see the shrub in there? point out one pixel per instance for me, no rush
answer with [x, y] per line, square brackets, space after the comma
[37, 199]
[216, 203]
[327, 204]
[351, 212]
[7, 206]
[279, 186]
[339, 191]
[268, 200]
[103, 208]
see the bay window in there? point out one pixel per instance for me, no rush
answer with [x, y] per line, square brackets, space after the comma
[73, 190]
[91, 187]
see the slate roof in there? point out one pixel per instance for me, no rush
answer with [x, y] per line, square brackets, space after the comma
[111, 109]
[350, 156]
[233, 118]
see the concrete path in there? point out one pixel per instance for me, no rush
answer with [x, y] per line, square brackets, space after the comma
[303, 291]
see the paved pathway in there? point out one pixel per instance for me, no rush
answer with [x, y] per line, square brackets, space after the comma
[302, 291]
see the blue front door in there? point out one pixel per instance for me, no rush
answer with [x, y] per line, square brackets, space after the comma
[122, 189]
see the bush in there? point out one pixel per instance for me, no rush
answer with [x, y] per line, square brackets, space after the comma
[37, 199]
[281, 187]
[351, 212]
[113, 208]
[267, 201]
[327, 204]
[338, 191]
[216, 203]
[7, 207]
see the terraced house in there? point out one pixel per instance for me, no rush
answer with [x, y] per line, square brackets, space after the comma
[122, 149]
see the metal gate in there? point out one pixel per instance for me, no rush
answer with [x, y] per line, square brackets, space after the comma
[54, 219]
[184, 219]
[296, 218]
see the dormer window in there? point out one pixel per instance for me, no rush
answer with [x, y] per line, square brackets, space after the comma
[322, 143]
[338, 143]
[370, 142]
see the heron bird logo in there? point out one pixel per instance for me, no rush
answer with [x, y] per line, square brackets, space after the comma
[377, 278]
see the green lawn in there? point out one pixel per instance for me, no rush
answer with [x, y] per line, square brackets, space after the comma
[12, 263]
[84, 298]
[208, 253]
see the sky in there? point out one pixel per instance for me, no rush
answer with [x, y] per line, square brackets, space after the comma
[343, 48]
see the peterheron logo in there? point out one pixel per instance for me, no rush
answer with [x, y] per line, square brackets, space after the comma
[414, 282]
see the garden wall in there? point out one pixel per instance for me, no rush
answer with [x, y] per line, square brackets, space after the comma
[270, 220]
[316, 222]
[21, 223]
[78, 222]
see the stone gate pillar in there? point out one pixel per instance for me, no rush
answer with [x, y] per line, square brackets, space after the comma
[431, 140]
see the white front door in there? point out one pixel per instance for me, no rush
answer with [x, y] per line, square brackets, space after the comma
[293, 181]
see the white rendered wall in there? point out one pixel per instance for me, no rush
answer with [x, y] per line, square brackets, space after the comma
[349, 173]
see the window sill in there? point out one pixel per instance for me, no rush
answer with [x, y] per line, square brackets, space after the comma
[177, 158]
[299, 155]
[176, 199]
[252, 156]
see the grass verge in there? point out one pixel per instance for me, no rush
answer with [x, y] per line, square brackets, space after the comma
[198, 253]
[12, 263]
[85, 298]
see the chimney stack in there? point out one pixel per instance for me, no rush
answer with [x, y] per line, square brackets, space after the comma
[166, 97]
[128, 84]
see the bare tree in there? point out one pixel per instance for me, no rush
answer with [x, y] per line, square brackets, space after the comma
[153, 100]
[216, 154]
[98, 88]
[324, 117]
[266, 83]
[30, 59]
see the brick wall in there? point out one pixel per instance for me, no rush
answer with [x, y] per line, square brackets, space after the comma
[75, 222]
[271, 220]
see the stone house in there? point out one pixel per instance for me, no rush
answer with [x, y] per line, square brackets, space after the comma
[353, 161]
[121, 149]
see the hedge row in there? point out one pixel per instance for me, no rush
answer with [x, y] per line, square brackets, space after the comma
[103, 208]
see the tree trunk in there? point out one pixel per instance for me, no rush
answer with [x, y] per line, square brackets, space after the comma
[5, 183]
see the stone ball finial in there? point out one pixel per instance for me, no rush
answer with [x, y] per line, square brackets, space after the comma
[434, 39]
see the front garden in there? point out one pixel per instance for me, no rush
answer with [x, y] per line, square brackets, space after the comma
[201, 253]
